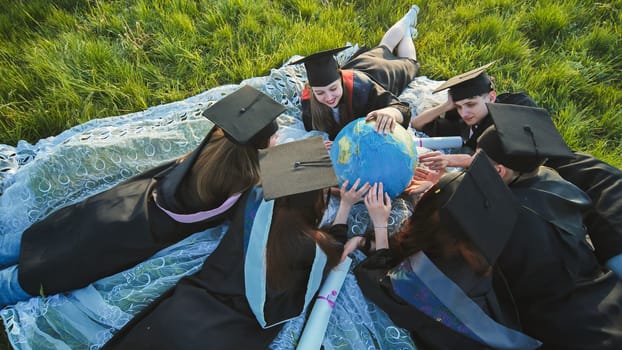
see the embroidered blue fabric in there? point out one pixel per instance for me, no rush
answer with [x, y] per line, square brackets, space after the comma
[420, 283]
[407, 283]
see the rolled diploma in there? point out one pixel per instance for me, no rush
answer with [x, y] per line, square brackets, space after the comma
[313, 333]
[439, 142]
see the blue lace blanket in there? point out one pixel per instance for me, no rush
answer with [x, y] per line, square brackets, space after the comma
[36, 179]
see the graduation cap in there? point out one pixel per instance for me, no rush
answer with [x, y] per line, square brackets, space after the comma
[522, 138]
[296, 167]
[479, 203]
[472, 83]
[247, 115]
[322, 68]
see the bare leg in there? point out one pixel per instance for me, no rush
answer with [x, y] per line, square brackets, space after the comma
[406, 48]
[399, 37]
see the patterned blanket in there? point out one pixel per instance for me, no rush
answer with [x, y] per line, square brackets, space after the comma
[36, 179]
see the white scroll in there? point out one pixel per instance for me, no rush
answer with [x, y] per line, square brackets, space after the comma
[315, 328]
[439, 142]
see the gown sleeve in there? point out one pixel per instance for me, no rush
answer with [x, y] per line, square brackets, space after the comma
[339, 232]
[603, 184]
[380, 98]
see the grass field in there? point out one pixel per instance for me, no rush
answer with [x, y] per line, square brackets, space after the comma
[74, 61]
[66, 62]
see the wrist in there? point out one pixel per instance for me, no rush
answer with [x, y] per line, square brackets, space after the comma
[346, 205]
[345, 209]
[446, 107]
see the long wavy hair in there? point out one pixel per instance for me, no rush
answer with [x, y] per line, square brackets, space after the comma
[222, 169]
[322, 115]
[425, 231]
[294, 225]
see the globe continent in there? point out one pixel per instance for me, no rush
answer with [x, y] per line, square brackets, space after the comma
[360, 152]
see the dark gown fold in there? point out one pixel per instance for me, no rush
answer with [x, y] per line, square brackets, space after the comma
[210, 308]
[106, 233]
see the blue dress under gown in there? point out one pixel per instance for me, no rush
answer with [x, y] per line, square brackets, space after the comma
[89, 158]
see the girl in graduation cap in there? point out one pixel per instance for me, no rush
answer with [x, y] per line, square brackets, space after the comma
[265, 271]
[116, 229]
[366, 86]
[434, 277]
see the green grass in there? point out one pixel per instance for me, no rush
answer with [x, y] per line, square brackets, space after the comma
[66, 62]
[73, 61]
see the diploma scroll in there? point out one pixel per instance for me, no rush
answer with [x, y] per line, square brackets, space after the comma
[439, 142]
[313, 333]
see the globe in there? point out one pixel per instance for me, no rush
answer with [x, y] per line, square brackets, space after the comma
[360, 152]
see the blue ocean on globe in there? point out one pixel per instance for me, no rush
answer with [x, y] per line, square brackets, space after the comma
[360, 152]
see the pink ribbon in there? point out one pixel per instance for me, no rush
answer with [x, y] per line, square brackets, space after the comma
[201, 215]
[329, 298]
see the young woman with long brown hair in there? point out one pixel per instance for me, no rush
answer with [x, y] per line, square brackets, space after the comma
[118, 228]
[265, 271]
[435, 276]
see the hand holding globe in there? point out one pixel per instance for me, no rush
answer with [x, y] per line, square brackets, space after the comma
[359, 151]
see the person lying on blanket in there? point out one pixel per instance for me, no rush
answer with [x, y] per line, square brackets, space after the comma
[118, 228]
[367, 85]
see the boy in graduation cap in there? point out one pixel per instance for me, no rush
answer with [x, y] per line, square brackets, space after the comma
[436, 278]
[366, 86]
[266, 269]
[120, 227]
[564, 297]
[463, 114]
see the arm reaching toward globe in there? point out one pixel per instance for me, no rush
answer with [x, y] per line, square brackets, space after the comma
[439, 161]
[386, 119]
[378, 204]
[348, 198]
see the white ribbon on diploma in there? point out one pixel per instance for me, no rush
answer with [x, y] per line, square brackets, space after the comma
[313, 333]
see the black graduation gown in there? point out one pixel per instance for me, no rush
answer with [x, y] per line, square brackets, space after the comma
[106, 233]
[428, 333]
[209, 309]
[603, 184]
[452, 124]
[563, 297]
[381, 65]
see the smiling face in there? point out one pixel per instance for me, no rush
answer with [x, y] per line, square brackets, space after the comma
[473, 110]
[330, 94]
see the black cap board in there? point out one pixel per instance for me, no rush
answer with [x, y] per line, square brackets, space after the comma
[296, 167]
[472, 83]
[522, 138]
[245, 113]
[480, 204]
[322, 68]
